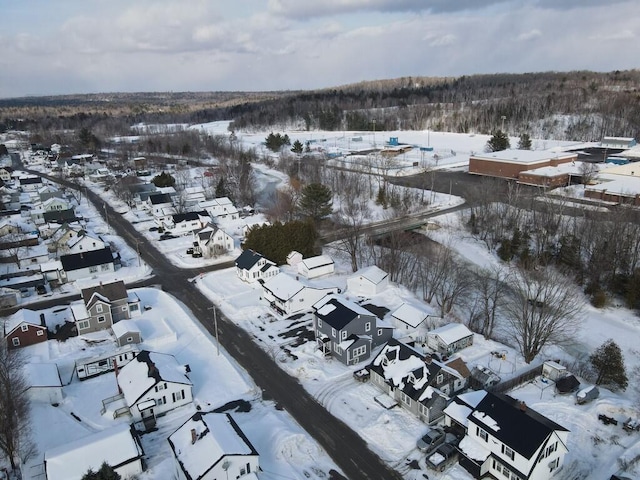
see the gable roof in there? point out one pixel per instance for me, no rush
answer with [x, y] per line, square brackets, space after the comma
[188, 216]
[339, 312]
[217, 435]
[521, 428]
[110, 291]
[451, 332]
[407, 370]
[30, 180]
[24, 315]
[124, 327]
[93, 258]
[116, 446]
[140, 375]
[247, 259]
[372, 273]
[43, 375]
[410, 315]
[317, 262]
[160, 198]
[283, 286]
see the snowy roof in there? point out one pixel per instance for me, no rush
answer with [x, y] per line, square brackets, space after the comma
[317, 262]
[149, 368]
[107, 292]
[372, 273]
[123, 327]
[283, 286]
[410, 315]
[43, 375]
[216, 435]
[618, 184]
[115, 446]
[24, 315]
[79, 310]
[451, 333]
[53, 266]
[473, 450]
[525, 157]
[343, 311]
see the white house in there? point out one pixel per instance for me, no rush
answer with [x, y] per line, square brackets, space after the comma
[504, 438]
[294, 258]
[288, 296]
[449, 339]
[211, 446]
[314, 267]
[182, 223]
[212, 240]
[251, 267]
[84, 243]
[87, 264]
[44, 383]
[220, 208]
[368, 281]
[117, 446]
[409, 317]
[153, 384]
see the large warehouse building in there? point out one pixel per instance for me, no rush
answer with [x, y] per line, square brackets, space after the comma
[510, 163]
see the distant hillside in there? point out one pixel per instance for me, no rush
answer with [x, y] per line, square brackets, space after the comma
[579, 105]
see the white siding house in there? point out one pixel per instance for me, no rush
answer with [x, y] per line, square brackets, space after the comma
[316, 266]
[368, 281]
[288, 296]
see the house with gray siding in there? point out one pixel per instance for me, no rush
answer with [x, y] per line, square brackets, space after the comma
[419, 383]
[104, 305]
[346, 330]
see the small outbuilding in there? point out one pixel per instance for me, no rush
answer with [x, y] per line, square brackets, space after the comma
[553, 370]
[567, 384]
[44, 383]
[409, 316]
[368, 281]
[126, 332]
[314, 267]
[449, 339]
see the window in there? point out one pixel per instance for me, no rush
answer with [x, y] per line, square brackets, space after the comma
[93, 269]
[40, 333]
[101, 319]
[124, 309]
[134, 307]
[333, 332]
[83, 325]
[379, 332]
[99, 308]
[24, 328]
[359, 351]
[439, 378]
[508, 452]
[406, 399]
[15, 341]
[482, 434]
[367, 326]
[343, 334]
[177, 396]
[319, 323]
[105, 267]
[337, 349]
[554, 464]
[129, 339]
[162, 400]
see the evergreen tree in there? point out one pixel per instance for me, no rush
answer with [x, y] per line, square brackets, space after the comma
[525, 142]
[499, 141]
[222, 190]
[297, 147]
[276, 241]
[163, 180]
[316, 201]
[106, 472]
[608, 363]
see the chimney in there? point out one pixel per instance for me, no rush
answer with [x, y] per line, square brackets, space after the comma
[42, 322]
[428, 359]
[194, 436]
[153, 370]
[523, 407]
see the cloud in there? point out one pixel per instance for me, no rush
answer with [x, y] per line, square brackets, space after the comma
[530, 35]
[613, 36]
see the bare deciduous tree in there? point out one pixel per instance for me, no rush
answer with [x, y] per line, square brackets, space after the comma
[15, 440]
[543, 309]
[351, 218]
[490, 290]
[588, 172]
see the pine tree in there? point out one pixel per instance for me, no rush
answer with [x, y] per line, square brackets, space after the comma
[297, 147]
[525, 142]
[608, 363]
[106, 472]
[316, 201]
[163, 180]
[499, 141]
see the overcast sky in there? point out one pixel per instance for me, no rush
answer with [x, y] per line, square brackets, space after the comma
[86, 46]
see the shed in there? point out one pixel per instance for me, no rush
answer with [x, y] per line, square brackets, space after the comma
[314, 267]
[587, 394]
[126, 332]
[553, 370]
[409, 316]
[567, 384]
[449, 338]
[294, 258]
[368, 281]
[44, 383]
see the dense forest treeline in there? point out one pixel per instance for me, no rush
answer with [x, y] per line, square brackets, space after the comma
[579, 105]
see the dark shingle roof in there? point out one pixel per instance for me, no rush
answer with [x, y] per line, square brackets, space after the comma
[30, 180]
[520, 428]
[93, 258]
[158, 198]
[188, 216]
[339, 317]
[57, 216]
[113, 291]
[247, 259]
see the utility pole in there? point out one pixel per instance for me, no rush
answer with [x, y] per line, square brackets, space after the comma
[138, 249]
[215, 326]
[106, 214]
[374, 133]
[503, 119]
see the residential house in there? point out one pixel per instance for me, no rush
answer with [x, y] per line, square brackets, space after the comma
[347, 331]
[212, 240]
[118, 446]
[31, 257]
[157, 201]
[5, 173]
[153, 384]
[368, 281]
[30, 183]
[251, 267]
[84, 243]
[183, 223]
[44, 384]
[288, 296]
[409, 317]
[25, 327]
[126, 332]
[52, 272]
[219, 208]
[53, 204]
[105, 305]
[87, 264]
[8, 297]
[504, 438]
[419, 383]
[164, 217]
[211, 446]
[314, 267]
[449, 339]
[60, 216]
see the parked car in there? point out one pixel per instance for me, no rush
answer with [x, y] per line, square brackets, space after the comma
[442, 457]
[196, 254]
[430, 440]
[190, 251]
[41, 289]
[25, 292]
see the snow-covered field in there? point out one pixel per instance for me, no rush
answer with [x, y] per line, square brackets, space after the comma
[286, 451]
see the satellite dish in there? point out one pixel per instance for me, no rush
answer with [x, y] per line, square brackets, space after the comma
[225, 465]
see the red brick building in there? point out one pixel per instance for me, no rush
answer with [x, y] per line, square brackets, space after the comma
[25, 327]
[510, 163]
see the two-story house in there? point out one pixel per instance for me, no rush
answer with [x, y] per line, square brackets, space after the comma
[87, 264]
[183, 223]
[212, 240]
[504, 438]
[84, 243]
[25, 327]
[104, 305]
[347, 331]
[419, 383]
[289, 296]
[211, 446]
[449, 338]
[251, 267]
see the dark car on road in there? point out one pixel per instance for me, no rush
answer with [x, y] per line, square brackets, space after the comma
[41, 289]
